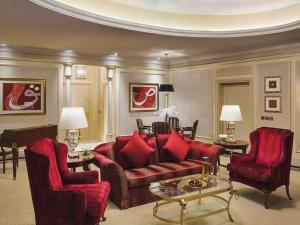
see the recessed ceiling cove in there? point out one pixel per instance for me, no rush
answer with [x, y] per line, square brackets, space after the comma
[193, 18]
[209, 7]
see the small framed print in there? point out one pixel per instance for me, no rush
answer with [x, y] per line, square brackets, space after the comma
[272, 84]
[273, 104]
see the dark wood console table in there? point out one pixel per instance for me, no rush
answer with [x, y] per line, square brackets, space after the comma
[16, 138]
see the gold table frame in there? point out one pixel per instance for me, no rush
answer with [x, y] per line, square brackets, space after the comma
[197, 196]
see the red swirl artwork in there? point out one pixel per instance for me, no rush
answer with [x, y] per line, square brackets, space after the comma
[22, 96]
[143, 97]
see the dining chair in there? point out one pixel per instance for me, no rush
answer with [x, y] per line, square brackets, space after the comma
[173, 123]
[191, 130]
[142, 128]
[160, 128]
[4, 152]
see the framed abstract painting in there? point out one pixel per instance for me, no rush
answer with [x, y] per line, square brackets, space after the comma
[143, 97]
[273, 104]
[272, 84]
[22, 96]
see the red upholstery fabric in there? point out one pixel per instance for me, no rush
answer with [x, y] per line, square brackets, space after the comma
[143, 176]
[53, 202]
[270, 146]
[184, 168]
[45, 148]
[253, 171]
[267, 165]
[137, 150]
[176, 146]
[96, 196]
[121, 141]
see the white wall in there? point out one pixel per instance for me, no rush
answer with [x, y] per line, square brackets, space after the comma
[193, 98]
[51, 74]
[127, 120]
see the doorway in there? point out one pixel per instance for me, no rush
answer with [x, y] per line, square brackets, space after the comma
[237, 93]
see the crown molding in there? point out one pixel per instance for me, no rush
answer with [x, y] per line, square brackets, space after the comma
[268, 52]
[107, 21]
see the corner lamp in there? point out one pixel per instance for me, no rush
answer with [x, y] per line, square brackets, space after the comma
[231, 114]
[72, 119]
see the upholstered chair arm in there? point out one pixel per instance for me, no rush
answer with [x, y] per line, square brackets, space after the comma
[105, 149]
[86, 177]
[199, 149]
[67, 207]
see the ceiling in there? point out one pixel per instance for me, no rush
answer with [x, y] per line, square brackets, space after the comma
[209, 7]
[201, 18]
[29, 28]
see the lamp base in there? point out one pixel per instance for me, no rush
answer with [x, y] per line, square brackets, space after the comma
[231, 132]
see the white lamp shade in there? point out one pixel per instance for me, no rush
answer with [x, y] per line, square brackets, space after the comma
[231, 113]
[72, 118]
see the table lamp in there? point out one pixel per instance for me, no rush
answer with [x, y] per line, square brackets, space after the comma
[72, 119]
[231, 114]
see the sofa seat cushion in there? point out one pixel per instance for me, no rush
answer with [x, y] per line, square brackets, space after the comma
[252, 171]
[144, 176]
[176, 146]
[137, 151]
[184, 168]
[96, 196]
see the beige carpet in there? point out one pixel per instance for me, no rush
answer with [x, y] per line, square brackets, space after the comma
[16, 206]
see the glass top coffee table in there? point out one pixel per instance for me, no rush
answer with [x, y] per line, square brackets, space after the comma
[189, 188]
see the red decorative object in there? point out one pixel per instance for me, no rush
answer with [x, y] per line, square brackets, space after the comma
[130, 186]
[21, 96]
[59, 196]
[267, 165]
[177, 146]
[143, 97]
[137, 150]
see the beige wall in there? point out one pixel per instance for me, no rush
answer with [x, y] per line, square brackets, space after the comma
[193, 98]
[52, 74]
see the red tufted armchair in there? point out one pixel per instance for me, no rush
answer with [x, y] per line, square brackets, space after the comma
[267, 165]
[59, 196]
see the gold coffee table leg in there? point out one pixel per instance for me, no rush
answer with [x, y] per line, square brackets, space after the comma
[232, 193]
[182, 203]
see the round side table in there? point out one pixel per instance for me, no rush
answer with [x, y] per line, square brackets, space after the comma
[81, 161]
[240, 145]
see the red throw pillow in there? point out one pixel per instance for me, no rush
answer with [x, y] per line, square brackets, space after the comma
[137, 150]
[176, 146]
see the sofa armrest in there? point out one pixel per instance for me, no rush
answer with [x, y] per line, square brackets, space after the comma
[280, 173]
[67, 206]
[113, 173]
[200, 149]
[86, 177]
[105, 149]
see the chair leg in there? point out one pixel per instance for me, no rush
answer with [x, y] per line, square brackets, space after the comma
[267, 195]
[103, 219]
[4, 159]
[18, 158]
[287, 188]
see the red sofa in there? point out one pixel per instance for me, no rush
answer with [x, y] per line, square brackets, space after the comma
[129, 185]
[59, 196]
[267, 165]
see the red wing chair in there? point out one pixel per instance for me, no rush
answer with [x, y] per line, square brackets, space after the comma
[267, 165]
[59, 196]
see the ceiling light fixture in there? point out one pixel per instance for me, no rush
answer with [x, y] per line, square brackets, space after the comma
[2, 44]
[115, 54]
